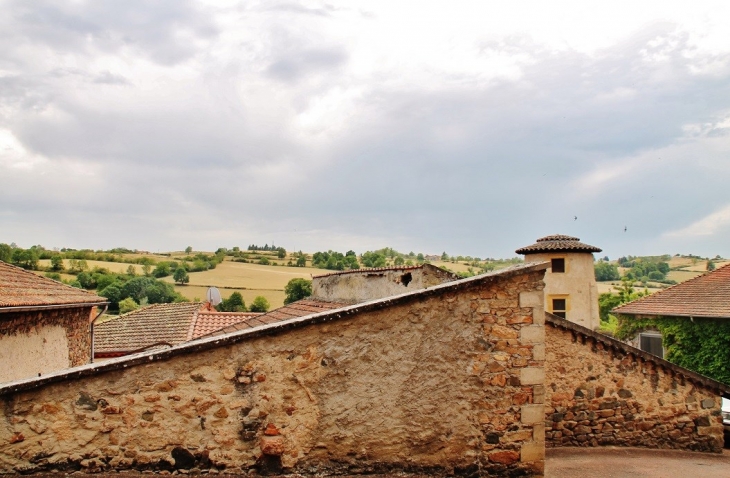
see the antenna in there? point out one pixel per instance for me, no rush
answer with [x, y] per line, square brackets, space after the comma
[214, 296]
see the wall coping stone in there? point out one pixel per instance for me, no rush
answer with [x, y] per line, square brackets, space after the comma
[268, 329]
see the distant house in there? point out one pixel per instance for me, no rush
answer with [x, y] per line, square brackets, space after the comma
[570, 282]
[44, 325]
[160, 325]
[700, 306]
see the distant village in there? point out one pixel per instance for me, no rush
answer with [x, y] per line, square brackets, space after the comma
[379, 363]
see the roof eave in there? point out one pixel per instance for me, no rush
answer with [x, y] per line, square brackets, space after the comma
[34, 308]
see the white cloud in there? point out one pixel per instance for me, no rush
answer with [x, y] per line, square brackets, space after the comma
[707, 226]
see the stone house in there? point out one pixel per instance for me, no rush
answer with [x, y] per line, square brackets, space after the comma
[44, 325]
[701, 304]
[161, 325]
[570, 283]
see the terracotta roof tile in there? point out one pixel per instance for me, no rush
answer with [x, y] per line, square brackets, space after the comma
[162, 323]
[705, 296]
[300, 308]
[207, 322]
[21, 288]
[557, 243]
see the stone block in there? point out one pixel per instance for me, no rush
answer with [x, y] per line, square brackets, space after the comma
[538, 315]
[532, 376]
[532, 451]
[531, 414]
[538, 352]
[708, 403]
[531, 299]
[538, 394]
[532, 334]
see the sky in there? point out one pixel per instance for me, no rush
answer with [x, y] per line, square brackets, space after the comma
[467, 127]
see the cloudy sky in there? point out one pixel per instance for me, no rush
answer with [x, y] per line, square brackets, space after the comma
[428, 126]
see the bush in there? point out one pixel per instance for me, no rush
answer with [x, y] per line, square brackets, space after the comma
[297, 289]
[260, 304]
[127, 305]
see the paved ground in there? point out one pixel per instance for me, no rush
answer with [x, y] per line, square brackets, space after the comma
[612, 462]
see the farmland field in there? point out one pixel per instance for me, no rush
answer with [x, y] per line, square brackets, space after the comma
[120, 267]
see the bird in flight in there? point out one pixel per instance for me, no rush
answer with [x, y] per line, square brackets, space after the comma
[575, 218]
[625, 228]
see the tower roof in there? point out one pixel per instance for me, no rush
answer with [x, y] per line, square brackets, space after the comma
[558, 243]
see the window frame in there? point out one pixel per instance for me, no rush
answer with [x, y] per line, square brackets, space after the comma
[553, 262]
[559, 312]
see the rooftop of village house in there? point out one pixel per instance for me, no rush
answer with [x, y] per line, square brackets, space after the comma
[24, 290]
[558, 243]
[707, 295]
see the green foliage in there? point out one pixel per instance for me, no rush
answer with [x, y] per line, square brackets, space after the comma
[234, 303]
[163, 269]
[336, 261]
[260, 304]
[641, 268]
[710, 265]
[188, 249]
[77, 265]
[6, 252]
[399, 261]
[605, 271]
[609, 326]
[25, 258]
[607, 302]
[444, 256]
[127, 305]
[281, 253]
[57, 263]
[297, 289]
[53, 275]
[420, 257]
[373, 259]
[702, 345]
[113, 293]
[156, 292]
[181, 276]
[131, 271]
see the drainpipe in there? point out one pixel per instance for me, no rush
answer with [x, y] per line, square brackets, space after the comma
[91, 327]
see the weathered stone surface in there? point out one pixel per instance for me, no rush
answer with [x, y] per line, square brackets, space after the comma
[532, 334]
[600, 397]
[389, 389]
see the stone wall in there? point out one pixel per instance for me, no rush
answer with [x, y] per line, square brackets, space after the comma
[40, 342]
[444, 381]
[364, 285]
[597, 395]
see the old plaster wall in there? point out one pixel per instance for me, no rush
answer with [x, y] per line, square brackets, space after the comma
[448, 382]
[40, 342]
[596, 396]
[360, 286]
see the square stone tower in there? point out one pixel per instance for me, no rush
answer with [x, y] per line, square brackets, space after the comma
[570, 282]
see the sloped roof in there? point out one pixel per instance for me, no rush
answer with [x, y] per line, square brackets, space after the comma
[207, 322]
[707, 295]
[21, 289]
[391, 268]
[616, 345]
[557, 243]
[296, 309]
[155, 324]
[161, 324]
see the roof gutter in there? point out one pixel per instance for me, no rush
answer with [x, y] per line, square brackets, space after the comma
[91, 329]
[31, 308]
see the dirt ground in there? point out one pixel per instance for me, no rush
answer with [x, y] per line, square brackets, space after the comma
[633, 463]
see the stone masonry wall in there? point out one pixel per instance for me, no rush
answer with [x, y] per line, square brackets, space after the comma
[43, 341]
[444, 382]
[596, 396]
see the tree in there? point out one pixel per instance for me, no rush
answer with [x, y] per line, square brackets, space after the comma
[281, 253]
[444, 256]
[399, 261]
[710, 265]
[146, 269]
[605, 271]
[181, 276]
[373, 259]
[260, 304]
[297, 289]
[127, 305]
[162, 270]
[57, 263]
[188, 249]
[234, 303]
[26, 258]
[301, 259]
[112, 292]
[131, 271]
[6, 252]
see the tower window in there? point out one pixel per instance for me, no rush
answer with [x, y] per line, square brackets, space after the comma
[558, 265]
[560, 307]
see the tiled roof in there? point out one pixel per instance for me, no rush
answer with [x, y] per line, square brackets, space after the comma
[299, 308]
[154, 324]
[557, 243]
[168, 324]
[618, 346]
[23, 289]
[707, 295]
[208, 322]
